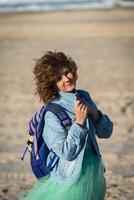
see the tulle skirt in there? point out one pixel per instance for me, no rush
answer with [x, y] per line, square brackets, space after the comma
[89, 186]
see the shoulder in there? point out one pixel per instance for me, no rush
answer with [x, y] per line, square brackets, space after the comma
[51, 117]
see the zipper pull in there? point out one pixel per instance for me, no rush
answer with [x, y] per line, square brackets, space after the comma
[24, 153]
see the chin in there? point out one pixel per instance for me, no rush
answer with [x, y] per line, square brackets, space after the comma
[70, 89]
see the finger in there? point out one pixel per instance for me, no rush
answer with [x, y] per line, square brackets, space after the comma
[86, 109]
[80, 106]
[77, 102]
[83, 107]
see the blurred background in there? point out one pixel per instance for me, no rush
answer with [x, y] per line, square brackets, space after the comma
[99, 35]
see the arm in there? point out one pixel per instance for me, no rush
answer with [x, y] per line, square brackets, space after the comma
[102, 123]
[104, 126]
[66, 144]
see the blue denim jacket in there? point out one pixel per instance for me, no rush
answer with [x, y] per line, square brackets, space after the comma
[70, 144]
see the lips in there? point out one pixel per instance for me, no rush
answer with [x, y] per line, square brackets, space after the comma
[68, 84]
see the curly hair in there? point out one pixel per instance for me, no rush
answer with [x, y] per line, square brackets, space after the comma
[48, 70]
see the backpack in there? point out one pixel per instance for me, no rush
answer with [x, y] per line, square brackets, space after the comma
[39, 151]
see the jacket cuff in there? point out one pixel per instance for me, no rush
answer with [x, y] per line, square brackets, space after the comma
[104, 127]
[78, 131]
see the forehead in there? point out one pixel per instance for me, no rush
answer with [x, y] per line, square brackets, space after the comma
[63, 70]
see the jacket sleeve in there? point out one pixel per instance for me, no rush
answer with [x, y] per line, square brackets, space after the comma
[66, 144]
[104, 126]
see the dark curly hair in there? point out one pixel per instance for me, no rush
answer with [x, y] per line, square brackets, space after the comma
[48, 70]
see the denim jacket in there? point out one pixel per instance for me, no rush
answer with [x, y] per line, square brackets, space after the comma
[70, 144]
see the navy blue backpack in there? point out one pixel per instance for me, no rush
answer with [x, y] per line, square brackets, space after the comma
[39, 151]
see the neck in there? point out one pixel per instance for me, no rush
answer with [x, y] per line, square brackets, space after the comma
[73, 91]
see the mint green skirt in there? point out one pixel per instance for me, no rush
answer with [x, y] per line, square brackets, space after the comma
[89, 186]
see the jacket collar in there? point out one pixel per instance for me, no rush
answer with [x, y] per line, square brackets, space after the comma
[67, 99]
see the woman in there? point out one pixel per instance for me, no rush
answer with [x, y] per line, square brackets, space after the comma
[79, 173]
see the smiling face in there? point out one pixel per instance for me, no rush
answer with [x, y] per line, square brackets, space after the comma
[67, 82]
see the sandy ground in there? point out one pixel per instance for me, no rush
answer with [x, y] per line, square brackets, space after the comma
[102, 43]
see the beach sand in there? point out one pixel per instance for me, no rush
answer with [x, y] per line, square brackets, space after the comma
[102, 43]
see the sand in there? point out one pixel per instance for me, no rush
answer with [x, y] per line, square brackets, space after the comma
[102, 44]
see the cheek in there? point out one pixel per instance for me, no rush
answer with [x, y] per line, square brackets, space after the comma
[59, 85]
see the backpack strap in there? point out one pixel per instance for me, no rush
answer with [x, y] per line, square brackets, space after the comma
[60, 112]
[37, 121]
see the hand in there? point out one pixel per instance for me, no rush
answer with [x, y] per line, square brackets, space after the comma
[91, 109]
[83, 100]
[81, 111]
